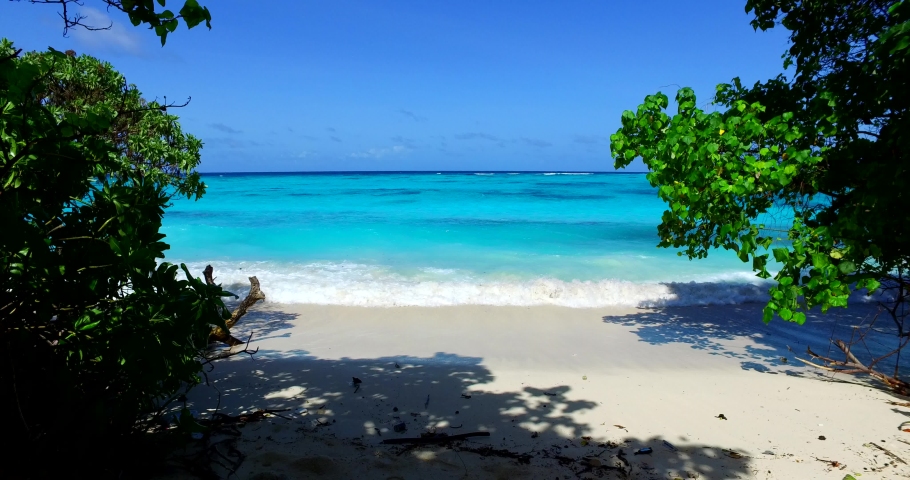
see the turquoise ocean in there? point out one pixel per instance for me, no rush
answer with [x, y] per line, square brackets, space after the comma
[434, 239]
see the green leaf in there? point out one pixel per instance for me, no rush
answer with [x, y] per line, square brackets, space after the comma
[759, 262]
[782, 255]
[89, 326]
[744, 255]
[872, 285]
[819, 260]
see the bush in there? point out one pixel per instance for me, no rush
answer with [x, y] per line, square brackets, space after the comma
[98, 337]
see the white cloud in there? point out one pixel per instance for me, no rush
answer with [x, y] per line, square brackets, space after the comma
[117, 38]
[382, 152]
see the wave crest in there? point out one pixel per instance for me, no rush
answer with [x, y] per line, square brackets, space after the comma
[372, 286]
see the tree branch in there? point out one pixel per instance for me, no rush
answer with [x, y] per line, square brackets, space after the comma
[852, 365]
[228, 354]
[255, 295]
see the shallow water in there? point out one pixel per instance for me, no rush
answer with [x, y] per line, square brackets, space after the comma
[381, 239]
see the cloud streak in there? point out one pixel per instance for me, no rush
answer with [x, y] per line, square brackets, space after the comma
[536, 142]
[476, 136]
[117, 38]
[412, 115]
[589, 139]
[224, 128]
[229, 142]
[407, 142]
[381, 152]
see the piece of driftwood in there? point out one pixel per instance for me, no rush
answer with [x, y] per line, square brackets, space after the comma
[852, 365]
[434, 439]
[219, 334]
[888, 453]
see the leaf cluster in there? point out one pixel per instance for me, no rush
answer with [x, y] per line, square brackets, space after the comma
[161, 21]
[828, 147]
[99, 334]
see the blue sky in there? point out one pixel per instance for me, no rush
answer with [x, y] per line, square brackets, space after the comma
[417, 85]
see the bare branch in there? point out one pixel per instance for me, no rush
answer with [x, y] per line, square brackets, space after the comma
[852, 365]
[255, 295]
[75, 20]
[230, 353]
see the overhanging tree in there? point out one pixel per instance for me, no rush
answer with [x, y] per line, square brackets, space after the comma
[153, 13]
[827, 145]
[97, 336]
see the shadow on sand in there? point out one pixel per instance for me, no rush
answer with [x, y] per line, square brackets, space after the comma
[333, 428]
[771, 348]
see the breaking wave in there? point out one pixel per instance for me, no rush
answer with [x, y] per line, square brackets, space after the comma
[376, 286]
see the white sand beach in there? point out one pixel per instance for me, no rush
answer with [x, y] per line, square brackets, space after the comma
[541, 380]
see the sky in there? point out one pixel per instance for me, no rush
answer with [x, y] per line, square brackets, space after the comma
[356, 85]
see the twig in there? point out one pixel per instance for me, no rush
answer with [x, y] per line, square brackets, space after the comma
[228, 354]
[852, 365]
[832, 463]
[434, 440]
[888, 452]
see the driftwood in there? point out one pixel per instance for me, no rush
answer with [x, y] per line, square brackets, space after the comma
[209, 359]
[219, 334]
[888, 453]
[434, 439]
[852, 365]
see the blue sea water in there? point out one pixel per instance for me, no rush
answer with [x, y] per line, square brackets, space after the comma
[431, 239]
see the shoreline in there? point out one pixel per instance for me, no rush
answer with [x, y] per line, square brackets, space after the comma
[540, 379]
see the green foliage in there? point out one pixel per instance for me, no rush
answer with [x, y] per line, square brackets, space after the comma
[97, 334]
[829, 146]
[163, 21]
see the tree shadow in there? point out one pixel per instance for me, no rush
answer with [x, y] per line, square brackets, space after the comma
[737, 331]
[263, 324]
[333, 426]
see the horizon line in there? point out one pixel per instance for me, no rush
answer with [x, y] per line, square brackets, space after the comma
[417, 171]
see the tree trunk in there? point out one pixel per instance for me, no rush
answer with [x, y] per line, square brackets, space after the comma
[219, 334]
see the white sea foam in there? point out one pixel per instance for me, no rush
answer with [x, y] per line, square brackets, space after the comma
[376, 286]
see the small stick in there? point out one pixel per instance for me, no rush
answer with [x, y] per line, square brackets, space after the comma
[832, 463]
[888, 452]
[431, 440]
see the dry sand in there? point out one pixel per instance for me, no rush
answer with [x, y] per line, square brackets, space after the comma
[540, 379]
